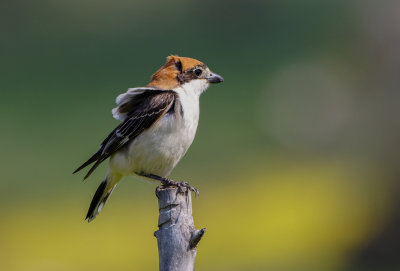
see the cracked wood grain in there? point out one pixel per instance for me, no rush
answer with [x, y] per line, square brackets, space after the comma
[177, 238]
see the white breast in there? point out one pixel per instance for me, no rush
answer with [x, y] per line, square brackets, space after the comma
[159, 149]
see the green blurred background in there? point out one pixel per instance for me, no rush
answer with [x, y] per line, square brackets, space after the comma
[296, 155]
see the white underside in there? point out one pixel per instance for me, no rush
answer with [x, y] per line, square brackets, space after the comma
[158, 149]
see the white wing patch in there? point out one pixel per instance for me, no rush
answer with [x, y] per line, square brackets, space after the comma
[125, 97]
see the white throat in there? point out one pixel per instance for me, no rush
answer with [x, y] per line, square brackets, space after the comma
[195, 87]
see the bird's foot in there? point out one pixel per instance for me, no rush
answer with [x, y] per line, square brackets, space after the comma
[188, 186]
[167, 182]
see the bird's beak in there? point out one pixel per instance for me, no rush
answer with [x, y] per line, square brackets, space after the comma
[214, 78]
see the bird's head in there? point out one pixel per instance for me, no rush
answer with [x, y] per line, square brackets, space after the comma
[183, 71]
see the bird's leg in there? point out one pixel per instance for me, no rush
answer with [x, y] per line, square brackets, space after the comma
[168, 182]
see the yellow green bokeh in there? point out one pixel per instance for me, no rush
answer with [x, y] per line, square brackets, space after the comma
[296, 155]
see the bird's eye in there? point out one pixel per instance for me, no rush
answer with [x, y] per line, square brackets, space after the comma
[198, 72]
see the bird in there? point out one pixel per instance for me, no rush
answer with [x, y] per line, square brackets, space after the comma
[158, 125]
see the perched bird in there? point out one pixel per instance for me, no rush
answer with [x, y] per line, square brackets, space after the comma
[158, 125]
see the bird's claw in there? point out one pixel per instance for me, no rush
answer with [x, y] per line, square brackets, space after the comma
[167, 182]
[191, 188]
[180, 186]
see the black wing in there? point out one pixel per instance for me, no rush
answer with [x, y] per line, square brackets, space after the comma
[143, 111]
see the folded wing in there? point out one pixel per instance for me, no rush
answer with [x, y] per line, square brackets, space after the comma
[138, 110]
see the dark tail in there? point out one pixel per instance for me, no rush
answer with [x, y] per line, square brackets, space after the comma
[100, 198]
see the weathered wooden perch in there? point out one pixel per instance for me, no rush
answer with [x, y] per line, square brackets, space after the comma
[177, 237]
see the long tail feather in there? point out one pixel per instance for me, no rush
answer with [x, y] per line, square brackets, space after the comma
[101, 196]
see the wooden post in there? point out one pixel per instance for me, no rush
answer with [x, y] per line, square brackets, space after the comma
[177, 237]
